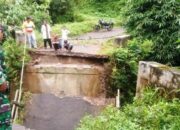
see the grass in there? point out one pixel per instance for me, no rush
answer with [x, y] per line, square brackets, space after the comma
[107, 47]
[83, 24]
[86, 17]
[75, 28]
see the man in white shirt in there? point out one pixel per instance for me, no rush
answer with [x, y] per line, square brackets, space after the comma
[46, 34]
[64, 33]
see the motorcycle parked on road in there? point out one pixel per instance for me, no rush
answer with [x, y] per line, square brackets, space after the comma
[104, 25]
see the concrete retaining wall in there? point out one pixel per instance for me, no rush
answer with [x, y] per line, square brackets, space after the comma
[155, 74]
[66, 75]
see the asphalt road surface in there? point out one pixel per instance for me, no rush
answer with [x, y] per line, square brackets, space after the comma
[48, 112]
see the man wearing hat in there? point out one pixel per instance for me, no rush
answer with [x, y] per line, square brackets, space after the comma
[28, 28]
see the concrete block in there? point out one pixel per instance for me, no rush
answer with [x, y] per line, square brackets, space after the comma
[155, 74]
[121, 40]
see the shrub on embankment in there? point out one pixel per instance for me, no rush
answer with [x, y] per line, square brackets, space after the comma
[151, 111]
[156, 20]
[125, 65]
[13, 58]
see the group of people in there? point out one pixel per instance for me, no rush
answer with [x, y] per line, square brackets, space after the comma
[53, 41]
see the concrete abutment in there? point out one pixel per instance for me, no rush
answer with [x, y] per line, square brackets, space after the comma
[66, 74]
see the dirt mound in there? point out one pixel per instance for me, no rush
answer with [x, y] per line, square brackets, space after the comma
[48, 112]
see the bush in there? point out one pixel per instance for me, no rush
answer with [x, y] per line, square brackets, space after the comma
[150, 112]
[156, 20]
[61, 11]
[125, 65]
[110, 119]
[13, 59]
[124, 73]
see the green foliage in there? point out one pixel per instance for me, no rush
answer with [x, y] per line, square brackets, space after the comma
[61, 11]
[13, 60]
[124, 73]
[110, 119]
[108, 8]
[107, 47]
[11, 13]
[150, 112]
[86, 15]
[141, 48]
[76, 28]
[40, 2]
[125, 65]
[156, 20]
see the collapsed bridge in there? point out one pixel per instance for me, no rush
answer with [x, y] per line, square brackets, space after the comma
[68, 74]
[66, 86]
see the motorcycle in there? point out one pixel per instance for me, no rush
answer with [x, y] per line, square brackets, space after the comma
[104, 25]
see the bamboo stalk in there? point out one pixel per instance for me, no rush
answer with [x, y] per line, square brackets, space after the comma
[118, 99]
[21, 81]
[14, 106]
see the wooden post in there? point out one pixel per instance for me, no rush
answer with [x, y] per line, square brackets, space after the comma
[118, 99]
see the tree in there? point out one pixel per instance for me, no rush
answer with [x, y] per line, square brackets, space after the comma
[157, 20]
[11, 13]
[61, 11]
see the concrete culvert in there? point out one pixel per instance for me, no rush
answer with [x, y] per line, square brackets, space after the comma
[48, 112]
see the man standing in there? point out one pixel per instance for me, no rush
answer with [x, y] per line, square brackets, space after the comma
[46, 34]
[28, 28]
